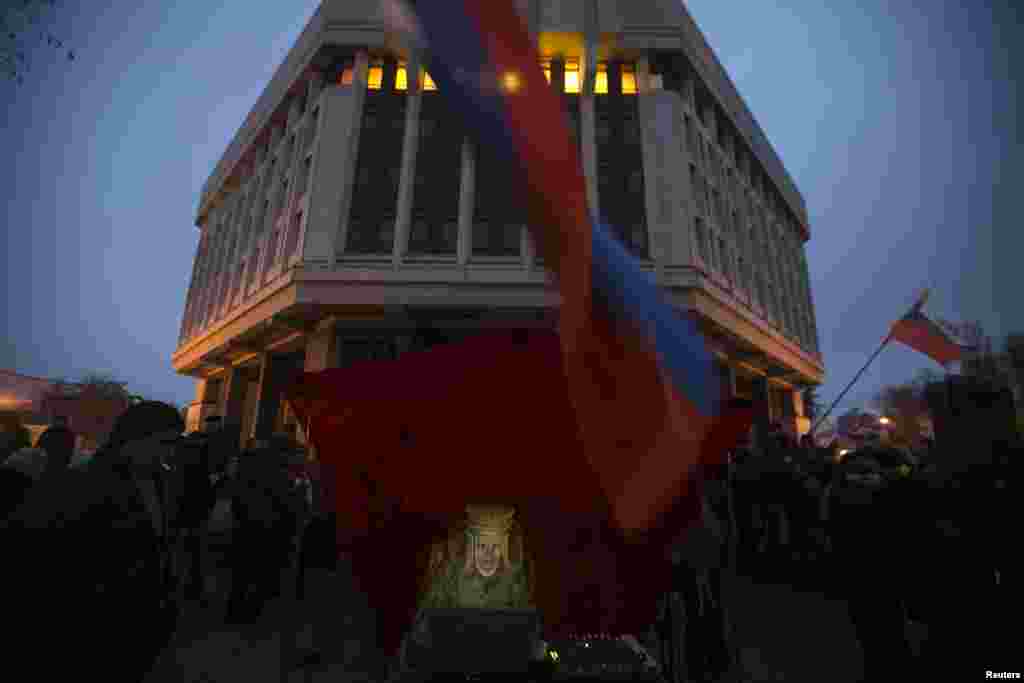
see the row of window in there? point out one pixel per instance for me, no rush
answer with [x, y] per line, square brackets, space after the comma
[623, 82]
[234, 226]
[673, 72]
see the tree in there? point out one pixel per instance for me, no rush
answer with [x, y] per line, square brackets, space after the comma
[905, 406]
[21, 25]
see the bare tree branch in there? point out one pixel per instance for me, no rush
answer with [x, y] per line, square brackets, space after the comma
[21, 24]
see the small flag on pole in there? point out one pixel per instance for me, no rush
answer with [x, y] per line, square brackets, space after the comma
[922, 334]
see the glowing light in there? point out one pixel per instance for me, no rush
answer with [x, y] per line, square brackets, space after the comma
[628, 80]
[346, 76]
[843, 452]
[427, 83]
[510, 82]
[572, 77]
[545, 66]
[601, 80]
[553, 654]
[375, 77]
[401, 78]
[884, 420]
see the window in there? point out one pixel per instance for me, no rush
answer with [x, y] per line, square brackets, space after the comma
[401, 77]
[572, 77]
[346, 75]
[698, 188]
[628, 80]
[493, 238]
[630, 129]
[636, 182]
[638, 240]
[307, 167]
[293, 236]
[601, 80]
[371, 235]
[375, 77]
[427, 83]
[699, 238]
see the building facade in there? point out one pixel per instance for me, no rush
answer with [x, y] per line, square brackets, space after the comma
[351, 218]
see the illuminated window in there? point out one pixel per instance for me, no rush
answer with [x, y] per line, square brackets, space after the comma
[545, 66]
[628, 80]
[427, 83]
[401, 80]
[376, 76]
[510, 82]
[572, 77]
[601, 81]
[346, 76]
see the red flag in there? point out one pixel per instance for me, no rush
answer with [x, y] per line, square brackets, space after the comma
[920, 333]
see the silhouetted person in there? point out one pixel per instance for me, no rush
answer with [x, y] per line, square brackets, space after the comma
[866, 539]
[14, 486]
[108, 526]
[265, 517]
[59, 444]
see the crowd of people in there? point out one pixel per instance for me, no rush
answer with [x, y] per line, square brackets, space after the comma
[908, 542]
[105, 554]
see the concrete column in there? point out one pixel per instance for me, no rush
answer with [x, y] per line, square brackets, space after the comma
[687, 91]
[407, 179]
[201, 390]
[526, 248]
[588, 147]
[334, 160]
[762, 404]
[316, 86]
[466, 196]
[293, 111]
[322, 347]
[233, 398]
[669, 192]
[731, 370]
[269, 398]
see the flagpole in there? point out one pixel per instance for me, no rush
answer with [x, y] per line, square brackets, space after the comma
[853, 381]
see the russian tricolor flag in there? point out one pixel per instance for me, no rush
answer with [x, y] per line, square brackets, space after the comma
[640, 375]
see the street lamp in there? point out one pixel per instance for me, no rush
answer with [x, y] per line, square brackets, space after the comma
[884, 420]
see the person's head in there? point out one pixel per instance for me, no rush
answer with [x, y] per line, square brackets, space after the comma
[488, 533]
[59, 444]
[212, 424]
[146, 432]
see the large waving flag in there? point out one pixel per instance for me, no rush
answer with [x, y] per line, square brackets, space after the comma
[922, 334]
[640, 374]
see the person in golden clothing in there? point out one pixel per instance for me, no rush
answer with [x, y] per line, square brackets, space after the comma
[482, 572]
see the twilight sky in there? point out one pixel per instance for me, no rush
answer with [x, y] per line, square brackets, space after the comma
[898, 125]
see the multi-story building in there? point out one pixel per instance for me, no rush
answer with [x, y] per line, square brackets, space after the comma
[351, 218]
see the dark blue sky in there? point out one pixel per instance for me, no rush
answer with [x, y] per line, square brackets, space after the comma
[898, 125]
